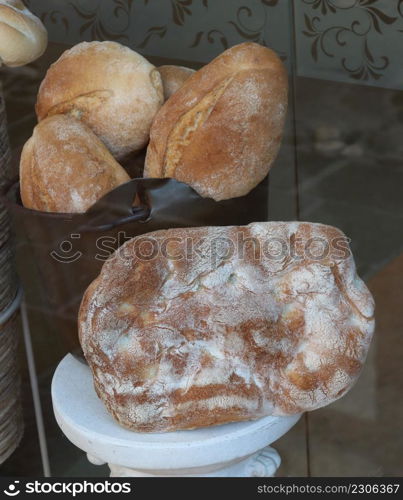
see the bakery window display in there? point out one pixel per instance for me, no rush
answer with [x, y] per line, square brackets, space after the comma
[178, 344]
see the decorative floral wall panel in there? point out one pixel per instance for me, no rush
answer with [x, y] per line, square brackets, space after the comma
[351, 40]
[346, 40]
[194, 30]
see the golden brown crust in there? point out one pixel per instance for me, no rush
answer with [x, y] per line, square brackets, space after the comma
[66, 168]
[173, 77]
[199, 336]
[111, 88]
[221, 131]
[23, 37]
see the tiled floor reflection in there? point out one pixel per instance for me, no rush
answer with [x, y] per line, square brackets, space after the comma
[350, 174]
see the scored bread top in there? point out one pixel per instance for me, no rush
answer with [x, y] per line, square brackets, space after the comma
[221, 131]
[219, 336]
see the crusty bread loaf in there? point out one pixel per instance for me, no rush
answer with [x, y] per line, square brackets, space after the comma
[173, 77]
[221, 131]
[23, 37]
[188, 328]
[111, 88]
[66, 168]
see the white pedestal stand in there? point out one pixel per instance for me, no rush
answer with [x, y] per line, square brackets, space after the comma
[232, 450]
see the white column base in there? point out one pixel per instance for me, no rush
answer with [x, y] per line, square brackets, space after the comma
[232, 450]
[262, 464]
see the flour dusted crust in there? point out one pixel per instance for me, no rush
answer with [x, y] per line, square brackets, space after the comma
[65, 167]
[173, 77]
[180, 344]
[23, 37]
[111, 88]
[221, 131]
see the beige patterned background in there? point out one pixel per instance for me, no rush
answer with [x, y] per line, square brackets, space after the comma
[344, 40]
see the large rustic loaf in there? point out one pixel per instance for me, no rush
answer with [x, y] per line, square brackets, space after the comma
[111, 88]
[221, 131]
[181, 332]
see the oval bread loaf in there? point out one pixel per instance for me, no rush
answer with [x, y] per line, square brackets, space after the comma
[188, 328]
[221, 131]
[23, 37]
[66, 168]
[173, 77]
[111, 88]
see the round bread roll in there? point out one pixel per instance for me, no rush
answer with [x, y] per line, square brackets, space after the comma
[23, 37]
[173, 77]
[211, 333]
[111, 88]
[66, 168]
[221, 131]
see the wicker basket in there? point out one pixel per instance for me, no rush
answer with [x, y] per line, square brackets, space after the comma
[11, 421]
